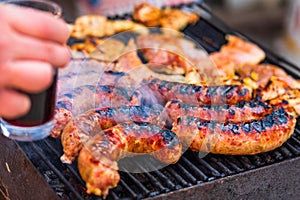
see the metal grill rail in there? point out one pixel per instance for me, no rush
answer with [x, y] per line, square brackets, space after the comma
[189, 171]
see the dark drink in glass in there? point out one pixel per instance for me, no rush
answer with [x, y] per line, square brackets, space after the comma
[39, 121]
[42, 108]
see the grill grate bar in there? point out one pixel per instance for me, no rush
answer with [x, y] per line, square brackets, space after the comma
[231, 161]
[285, 152]
[278, 156]
[295, 140]
[70, 167]
[131, 192]
[178, 177]
[145, 191]
[152, 178]
[223, 167]
[267, 158]
[257, 160]
[211, 169]
[187, 174]
[292, 149]
[246, 162]
[196, 170]
[56, 171]
[162, 177]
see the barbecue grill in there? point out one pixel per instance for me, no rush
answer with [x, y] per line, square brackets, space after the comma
[34, 171]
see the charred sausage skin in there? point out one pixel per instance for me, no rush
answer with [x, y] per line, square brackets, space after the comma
[75, 134]
[240, 112]
[236, 139]
[97, 159]
[198, 95]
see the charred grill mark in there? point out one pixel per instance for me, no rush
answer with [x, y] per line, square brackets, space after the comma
[279, 117]
[105, 88]
[201, 94]
[90, 87]
[118, 74]
[243, 92]
[146, 133]
[106, 118]
[236, 138]
[64, 104]
[77, 90]
[106, 112]
[213, 91]
[244, 112]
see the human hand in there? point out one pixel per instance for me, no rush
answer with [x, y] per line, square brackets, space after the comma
[31, 44]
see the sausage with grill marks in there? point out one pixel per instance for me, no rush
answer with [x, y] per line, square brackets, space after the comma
[240, 112]
[198, 95]
[75, 134]
[236, 139]
[97, 160]
[87, 97]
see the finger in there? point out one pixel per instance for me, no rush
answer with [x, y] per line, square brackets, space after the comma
[38, 24]
[13, 104]
[53, 53]
[28, 76]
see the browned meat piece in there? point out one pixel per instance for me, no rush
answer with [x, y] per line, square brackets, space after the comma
[147, 15]
[198, 95]
[290, 101]
[75, 134]
[97, 160]
[236, 53]
[236, 139]
[170, 54]
[240, 112]
[166, 18]
[263, 73]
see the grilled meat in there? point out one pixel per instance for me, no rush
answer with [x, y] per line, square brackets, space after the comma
[238, 113]
[236, 138]
[198, 95]
[76, 133]
[236, 53]
[171, 54]
[97, 160]
[99, 26]
[290, 101]
[166, 18]
[87, 97]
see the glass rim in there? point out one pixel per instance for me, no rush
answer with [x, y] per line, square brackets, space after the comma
[57, 10]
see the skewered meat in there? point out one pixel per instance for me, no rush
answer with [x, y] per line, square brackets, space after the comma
[79, 130]
[199, 95]
[240, 112]
[236, 139]
[97, 160]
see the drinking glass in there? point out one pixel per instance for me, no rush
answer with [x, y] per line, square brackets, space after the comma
[39, 121]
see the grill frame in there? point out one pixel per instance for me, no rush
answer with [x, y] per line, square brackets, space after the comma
[213, 177]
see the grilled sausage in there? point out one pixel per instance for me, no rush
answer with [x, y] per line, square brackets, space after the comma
[88, 124]
[236, 139]
[87, 97]
[198, 95]
[97, 160]
[240, 112]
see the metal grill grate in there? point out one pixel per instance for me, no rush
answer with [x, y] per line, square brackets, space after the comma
[189, 171]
